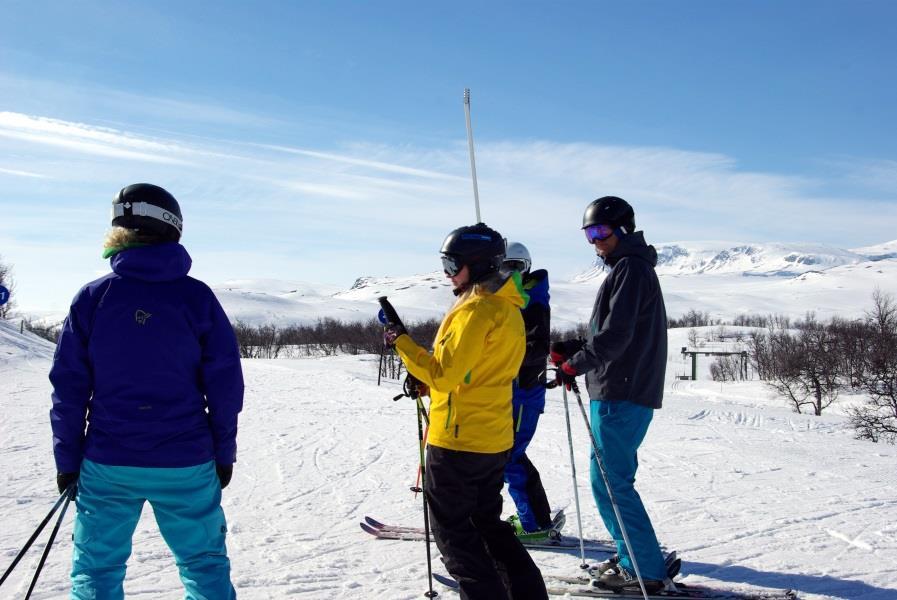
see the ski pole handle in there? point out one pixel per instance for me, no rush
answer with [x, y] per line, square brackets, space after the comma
[389, 312]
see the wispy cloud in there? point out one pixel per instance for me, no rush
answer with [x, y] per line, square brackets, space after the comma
[879, 175]
[19, 173]
[84, 138]
[361, 162]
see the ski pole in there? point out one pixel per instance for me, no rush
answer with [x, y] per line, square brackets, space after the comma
[610, 491]
[421, 416]
[34, 535]
[69, 494]
[380, 366]
[419, 468]
[389, 317]
[473, 162]
[582, 548]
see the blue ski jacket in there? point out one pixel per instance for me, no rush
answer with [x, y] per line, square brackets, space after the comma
[148, 363]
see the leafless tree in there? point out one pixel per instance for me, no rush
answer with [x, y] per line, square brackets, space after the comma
[876, 420]
[801, 367]
[732, 367]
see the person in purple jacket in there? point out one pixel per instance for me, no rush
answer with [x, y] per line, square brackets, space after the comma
[147, 387]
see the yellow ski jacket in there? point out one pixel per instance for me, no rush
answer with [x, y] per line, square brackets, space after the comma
[478, 351]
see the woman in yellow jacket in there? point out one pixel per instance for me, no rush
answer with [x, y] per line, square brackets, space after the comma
[476, 356]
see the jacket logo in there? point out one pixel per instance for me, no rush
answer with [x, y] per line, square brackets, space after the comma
[141, 316]
[170, 218]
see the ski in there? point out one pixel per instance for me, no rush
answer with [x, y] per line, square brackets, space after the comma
[446, 581]
[397, 532]
[682, 591]
[384, 527]
[388, 534]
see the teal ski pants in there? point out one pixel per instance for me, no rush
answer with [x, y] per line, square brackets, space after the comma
[619, 428]
[187, 505]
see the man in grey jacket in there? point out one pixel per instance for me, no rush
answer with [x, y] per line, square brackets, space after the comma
[624, 362]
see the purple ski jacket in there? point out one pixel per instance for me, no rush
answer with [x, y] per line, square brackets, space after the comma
[147, 369]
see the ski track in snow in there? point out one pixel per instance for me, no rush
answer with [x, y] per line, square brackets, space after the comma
[750, 494]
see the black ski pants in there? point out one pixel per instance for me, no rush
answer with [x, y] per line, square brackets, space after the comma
[479, 549]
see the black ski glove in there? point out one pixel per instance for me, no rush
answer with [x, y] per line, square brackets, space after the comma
[561, 351]
[63, 480]
[225, 472]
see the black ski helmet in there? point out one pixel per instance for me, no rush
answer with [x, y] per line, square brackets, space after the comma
[610, 210]
[479, 247]
[149, 209]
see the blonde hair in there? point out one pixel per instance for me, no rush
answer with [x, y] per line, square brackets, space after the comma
[121, 237]
[118, 237]
[487, 286]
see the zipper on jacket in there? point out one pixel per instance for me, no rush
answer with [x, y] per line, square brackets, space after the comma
[448, 417]
[519, 418]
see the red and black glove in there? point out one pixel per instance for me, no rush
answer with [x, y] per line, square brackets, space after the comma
[561, 351]
[392, 324]
[391, 333]
[566, 375]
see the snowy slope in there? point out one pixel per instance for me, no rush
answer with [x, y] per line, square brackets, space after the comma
[749, 493]
[879, 251]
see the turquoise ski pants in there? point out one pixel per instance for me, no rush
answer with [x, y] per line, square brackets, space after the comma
[619, 428]
[187, 505]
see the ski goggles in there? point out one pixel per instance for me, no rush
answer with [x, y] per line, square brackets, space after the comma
[515, 264]
[598, 233]
[452, 265]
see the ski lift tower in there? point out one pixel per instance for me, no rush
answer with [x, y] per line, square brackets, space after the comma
[694, 360]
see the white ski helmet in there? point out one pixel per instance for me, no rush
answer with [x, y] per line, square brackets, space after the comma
[517, 258]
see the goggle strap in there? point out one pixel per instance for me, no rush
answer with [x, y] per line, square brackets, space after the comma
[145, 209]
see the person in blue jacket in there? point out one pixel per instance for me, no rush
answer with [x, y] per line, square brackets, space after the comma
[533, 518]
[147, 387]
[624, 361]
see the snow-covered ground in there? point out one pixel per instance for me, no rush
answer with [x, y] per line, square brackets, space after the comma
[748, 492]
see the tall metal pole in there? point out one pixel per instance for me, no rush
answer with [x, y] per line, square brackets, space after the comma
[473, 162]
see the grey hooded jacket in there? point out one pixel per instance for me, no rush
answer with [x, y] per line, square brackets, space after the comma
[625, 359]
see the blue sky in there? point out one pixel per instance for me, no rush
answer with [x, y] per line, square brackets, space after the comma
[323, 141]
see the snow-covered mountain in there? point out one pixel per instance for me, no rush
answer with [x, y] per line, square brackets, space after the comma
[723, 279]
[720, 278]
[763, 260]
[879, 251]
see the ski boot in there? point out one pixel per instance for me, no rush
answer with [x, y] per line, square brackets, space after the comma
[619, 580]
[550, 534]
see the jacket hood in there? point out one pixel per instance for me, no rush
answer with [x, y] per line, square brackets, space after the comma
[633, 245]
[159, 262]
[511, 289]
